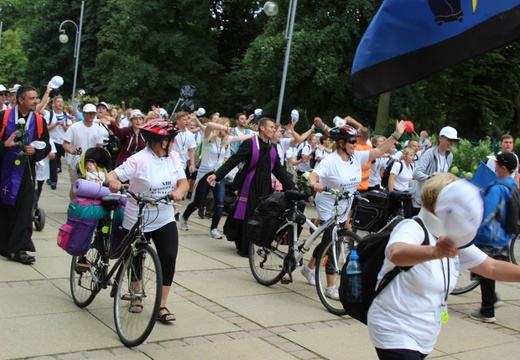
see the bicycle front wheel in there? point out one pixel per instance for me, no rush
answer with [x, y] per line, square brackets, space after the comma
[514, 250]
[137, 295]
[83, 285]
[266, 262]
[465, 283]
[329, 262]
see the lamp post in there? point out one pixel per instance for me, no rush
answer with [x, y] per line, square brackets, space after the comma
[271, 9]
[64, 39]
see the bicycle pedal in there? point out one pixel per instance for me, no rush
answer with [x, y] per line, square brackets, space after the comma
[81, 268]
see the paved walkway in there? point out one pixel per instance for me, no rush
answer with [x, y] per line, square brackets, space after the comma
[222, 313]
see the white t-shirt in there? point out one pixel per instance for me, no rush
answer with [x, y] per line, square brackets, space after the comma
[152, 176]
[283, 146]
[42, 166]
[105, 130]
[320, 153]
[184, 141]
[402, 316]
[214, 155]
[375, 171]
[124, 122]
[56, 133]
[81, 136]
[403, 179]
[336, 173]
[306, 149]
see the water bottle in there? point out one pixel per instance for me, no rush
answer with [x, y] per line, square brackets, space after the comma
[354, 279]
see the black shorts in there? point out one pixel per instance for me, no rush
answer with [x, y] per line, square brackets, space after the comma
[190, 176]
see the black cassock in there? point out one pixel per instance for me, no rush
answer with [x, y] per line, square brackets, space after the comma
[261, 185]
[16, 221]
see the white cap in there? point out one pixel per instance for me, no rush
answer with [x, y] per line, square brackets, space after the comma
[164, 113]
[201, 111]
[3, 88]
[460, 208]
[102, 103]
[89, 108]
[338, 121]
[56, 82]
[136, 113]
[449, 133]
[295, 116]
[318, 135]
[14, 89]
[258, 112]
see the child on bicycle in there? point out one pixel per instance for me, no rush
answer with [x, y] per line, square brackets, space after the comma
[93, 173]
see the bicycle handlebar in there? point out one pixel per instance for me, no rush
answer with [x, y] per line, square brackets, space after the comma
[166, 199]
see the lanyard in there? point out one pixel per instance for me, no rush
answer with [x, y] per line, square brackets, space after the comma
[446, 280]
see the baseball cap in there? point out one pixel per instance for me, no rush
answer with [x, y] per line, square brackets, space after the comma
[505, 159]
[201, 112]
[89, 108]
[136, 113]
[460, 209]
[14, 88]
[102, 103]
[3, 89]
[295, 116]
[449, 133]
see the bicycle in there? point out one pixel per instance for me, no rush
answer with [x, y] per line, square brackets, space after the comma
[135, 276]
[270, 264]
[467, 282]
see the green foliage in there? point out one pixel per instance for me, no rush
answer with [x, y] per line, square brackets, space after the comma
[466, 156]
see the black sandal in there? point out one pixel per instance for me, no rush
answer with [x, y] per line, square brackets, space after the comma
[166, 317]
[135, 308]
[22, 257]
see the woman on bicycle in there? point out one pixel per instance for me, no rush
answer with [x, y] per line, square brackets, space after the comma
[155, 171]
[215, 151]
[401, 177]
[341, 170]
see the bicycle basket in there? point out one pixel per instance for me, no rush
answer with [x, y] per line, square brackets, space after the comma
[372, 216]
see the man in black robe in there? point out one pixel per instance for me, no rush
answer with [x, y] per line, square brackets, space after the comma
[258, 185]
[24, 141]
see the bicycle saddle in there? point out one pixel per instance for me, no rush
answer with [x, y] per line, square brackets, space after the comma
[293, 195]
[400, 195]
[110, 202]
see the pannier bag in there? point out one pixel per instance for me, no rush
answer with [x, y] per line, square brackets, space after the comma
[268, 217]
[371, 216]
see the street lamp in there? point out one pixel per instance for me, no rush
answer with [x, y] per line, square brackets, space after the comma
[64, 39]
[271, 9]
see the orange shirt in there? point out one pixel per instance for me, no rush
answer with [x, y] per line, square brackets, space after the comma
[365, 169]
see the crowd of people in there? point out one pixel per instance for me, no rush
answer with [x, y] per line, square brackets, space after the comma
[196, 157]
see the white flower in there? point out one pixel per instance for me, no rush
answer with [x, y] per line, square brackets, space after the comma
[21, 121]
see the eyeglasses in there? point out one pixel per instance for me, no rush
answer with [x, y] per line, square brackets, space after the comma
[352, 141]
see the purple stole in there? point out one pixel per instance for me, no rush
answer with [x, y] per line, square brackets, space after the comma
[244, 192]
[12, 174]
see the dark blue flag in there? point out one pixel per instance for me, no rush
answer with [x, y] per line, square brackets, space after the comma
[410, 39]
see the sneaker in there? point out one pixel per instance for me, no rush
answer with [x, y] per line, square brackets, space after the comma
[184, 223]
[177, 215]
[53, 185]
[498, 303]
[308, 273]
[215, 234]
[477, 315]
[200, 213]
[332, 292]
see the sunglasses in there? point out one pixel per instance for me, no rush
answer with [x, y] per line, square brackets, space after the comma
[352, 141]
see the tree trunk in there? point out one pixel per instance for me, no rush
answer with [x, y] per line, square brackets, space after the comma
[382, 112]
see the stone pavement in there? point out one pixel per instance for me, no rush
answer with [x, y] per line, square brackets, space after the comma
[222, 312]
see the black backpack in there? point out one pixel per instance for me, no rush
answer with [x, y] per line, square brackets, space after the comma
[386, 172]
[371, 251]
[512, 224]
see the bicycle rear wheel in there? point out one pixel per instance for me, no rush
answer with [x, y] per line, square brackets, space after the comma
[514, 250]
[266, 262]
[83, 285]
[329, 263]
[138, 281]
[465, 283]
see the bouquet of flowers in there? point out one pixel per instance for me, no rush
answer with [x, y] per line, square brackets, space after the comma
[22, 139]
